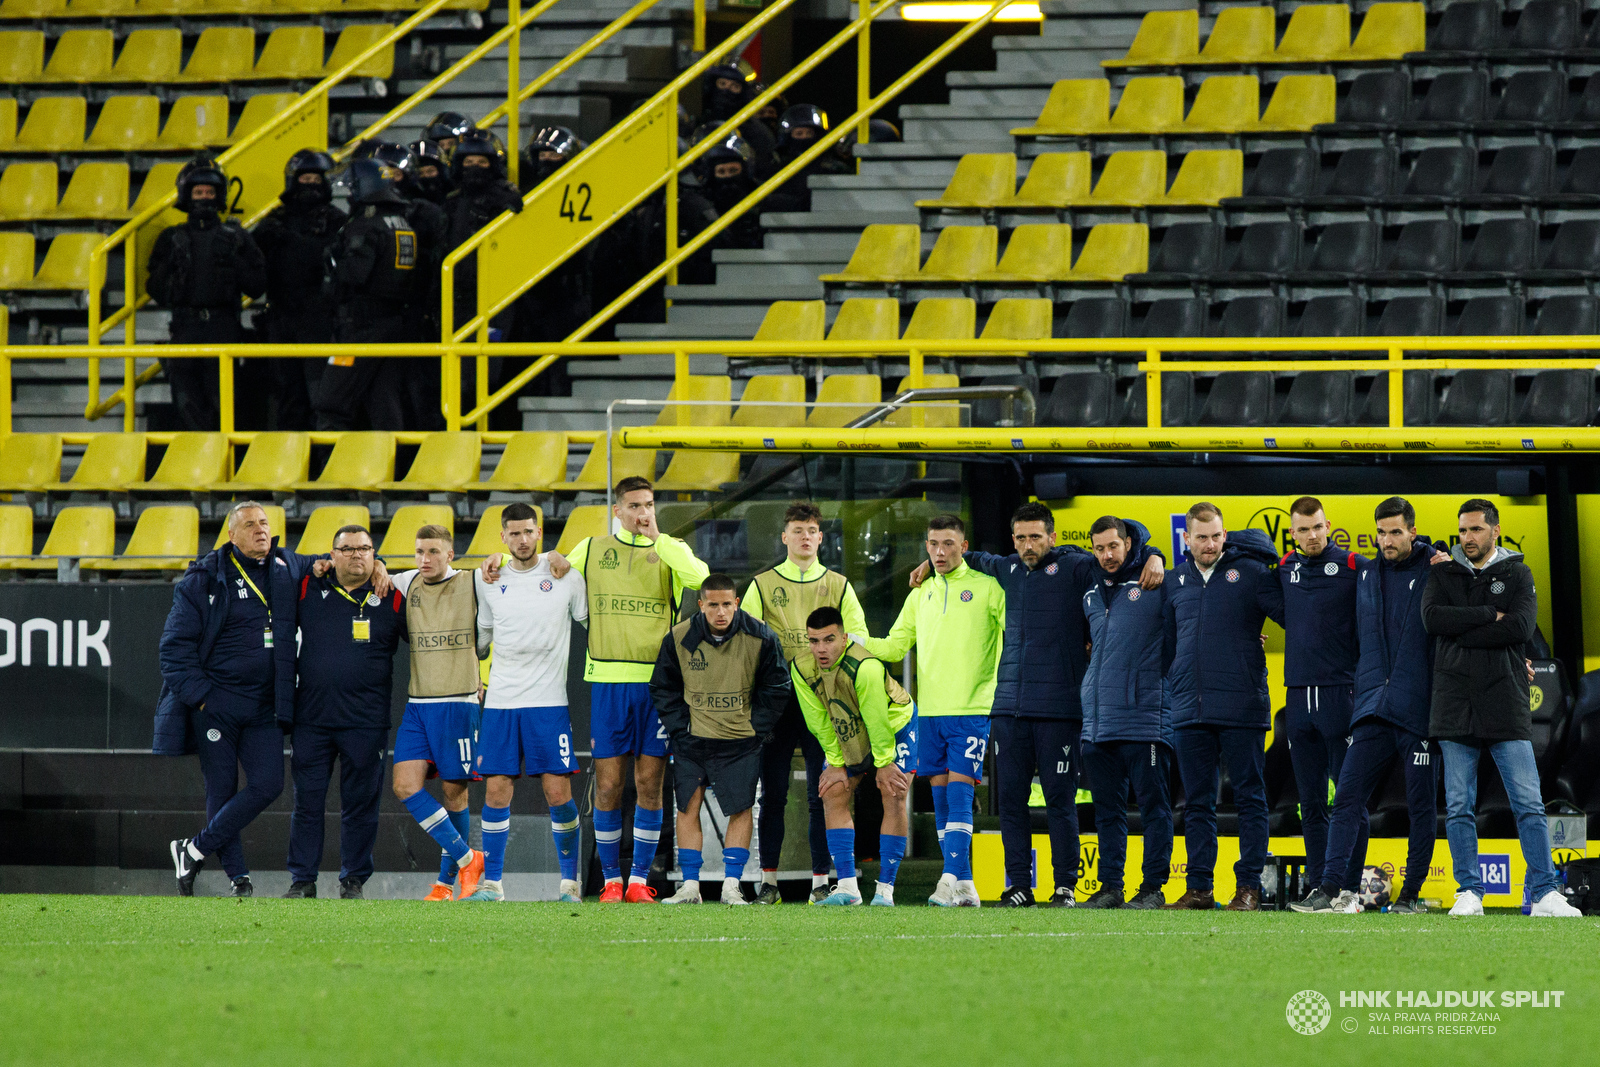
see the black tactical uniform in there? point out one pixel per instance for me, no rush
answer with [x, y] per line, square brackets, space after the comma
[720, 105]
[201, 270]
[562, 301]
[719, 195]
[432, 179]
[798, 130]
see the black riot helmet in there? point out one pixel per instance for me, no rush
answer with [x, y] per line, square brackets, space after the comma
[551, 149]
[398, 156]
[445, 129]
[435, 186]
[373, 181]
[307, 161]
[721, 102]
[726, 190]
[478, 143]
[799, 129]
[201, 170]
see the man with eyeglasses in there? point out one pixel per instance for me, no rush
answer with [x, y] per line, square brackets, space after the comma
[348, 638]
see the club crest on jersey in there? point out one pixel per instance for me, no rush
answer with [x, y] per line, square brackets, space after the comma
[1330, 568]
[546, 585]
[1232, 576]
[1497, 587]
[966, 596]
[1052, 568]
[1134, 592]
[651, 557]
[373, 600]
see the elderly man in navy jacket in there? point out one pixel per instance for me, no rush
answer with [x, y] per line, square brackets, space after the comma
[1037, 718]
[1218, 681]
[1127, 718]
[227, 675]
[1393, 692]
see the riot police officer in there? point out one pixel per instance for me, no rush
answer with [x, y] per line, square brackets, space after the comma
[432, 179]
[294, 239]
[726, 88]
[726, 177]
[446, 129]
[562, 300]
[478, 168]
[201, 270]
[798, 130]
[377, 273]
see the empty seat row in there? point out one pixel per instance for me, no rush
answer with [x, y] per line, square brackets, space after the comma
[30, 10]
[1037, 253]
[222, 54]
[1383, 103]
[1473, 31]
[1059, 180]
[133, 123]
[1248, 36]
[65, 266]
[1225, 104]
[95, 191]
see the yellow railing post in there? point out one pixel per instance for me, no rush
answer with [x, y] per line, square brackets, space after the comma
[5, 379]
[130, 385]
[1397, 388]
[513, 84]
[1152, 386]
[680, 385]
[864, 75]
[480, 378]
[915, 378]
[699, 25]
[450, 388]
[225, 392]
[672, 201]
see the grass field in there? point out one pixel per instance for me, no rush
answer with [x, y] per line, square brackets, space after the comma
[129, 980]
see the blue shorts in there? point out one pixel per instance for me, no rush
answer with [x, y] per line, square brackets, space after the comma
[444, 734]
[905, 750]
[623, 721]
[541, 737]
[952, 743]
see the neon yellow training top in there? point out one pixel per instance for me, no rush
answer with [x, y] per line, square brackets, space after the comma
[687, 572]
[957, 622]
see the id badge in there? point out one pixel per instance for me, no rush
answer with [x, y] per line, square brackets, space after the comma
[361, 630]
[266, 637]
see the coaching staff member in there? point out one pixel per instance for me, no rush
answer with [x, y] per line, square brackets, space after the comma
[1482, 608]
[720, 685]
[348, 637]
[1218, 684]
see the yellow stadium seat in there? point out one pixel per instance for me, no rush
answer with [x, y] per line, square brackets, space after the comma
[884, 253]
[1205, 177]
[21, 56]
[691, 470]
[863, 390]
[1056, 179]
[714, 391]
[1036, 253]
[946, 318]
[32, 9]
[222, 54]
[532, 462]
[317, 538]
[445, 463]
[591, 520]
[1148, 105]
[195, 122]
[81, 56]
[793, 320]
[1388, 31]
[126, 123]
[29, 461]
[866, 319]
[259, 110]
[110, 463]
[1075, 105]
[486, 538]
[1134, 178]
[101, 9]
[54, 124]
[1316, 33]
[1240, 35]
[16, 531]
[16, 260]
[774, 400]
[1164, 38]
[943, 413]
[981, 180]
[291, 52]
[96, 191]
[155, 8]
[1226, 103]
[83, 532]
[235, 7]
[960, 254]
[359, 461]
[277, 525]
[625, 463]
[309, 6]
[8, 122]
[1113, 249]
[1299, 102]
[164, 539]
[399, 548]
[66, 262]
[28, 191]
[158, 182]
[193, 461]
[353, 40]
[275, 462]
[1019, 319]
[149, 56]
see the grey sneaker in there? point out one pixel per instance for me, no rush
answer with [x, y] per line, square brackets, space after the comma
[350, 889]
[1316, 902]
[820, 893]
[1105, 898]
[301, 891]
[1408, 906]
[768, 895]
[1150, 900]
[242, 887]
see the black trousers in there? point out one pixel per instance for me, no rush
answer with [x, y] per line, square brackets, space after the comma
[194, 381]
[236, 734]
[359, 751]
[1049, 747]
[371, 392]
[1112, 767]
[1317, 720]
[777, 760]
[1374, 744]
[291, 383]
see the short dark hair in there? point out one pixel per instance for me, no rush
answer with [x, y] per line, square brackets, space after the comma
[518, 512]
[1109, 522]
[1306, 505]
[823, 618]
[628, 485]
[1396, 507]
[352, 529]
[432, 532]
[715, 582]
[802, 511]
[1204, 511]
[1033, 511]
[1491, 514]
[947, 522]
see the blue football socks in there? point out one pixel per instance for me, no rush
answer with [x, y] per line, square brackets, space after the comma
[891, 850]
[608, 841]
[941, 811]
[564, 825]
[462, 821]
[496, 823]
[432, 817]
[689, 861]
[646, 836]
[958, 831]
[733, 862]
[842, 846]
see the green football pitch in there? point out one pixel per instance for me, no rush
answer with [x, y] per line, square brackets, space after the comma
[126, 980]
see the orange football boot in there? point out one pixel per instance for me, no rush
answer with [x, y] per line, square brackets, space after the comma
[612, 893]
[440, 891]
[639, 893]
[470, 875]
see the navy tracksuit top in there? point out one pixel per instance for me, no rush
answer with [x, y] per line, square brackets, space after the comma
[1319, 617]
[344, 682]
[1394, 675]
[1125, 690]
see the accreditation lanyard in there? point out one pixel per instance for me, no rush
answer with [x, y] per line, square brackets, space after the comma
[360, 626]
[266, 636]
